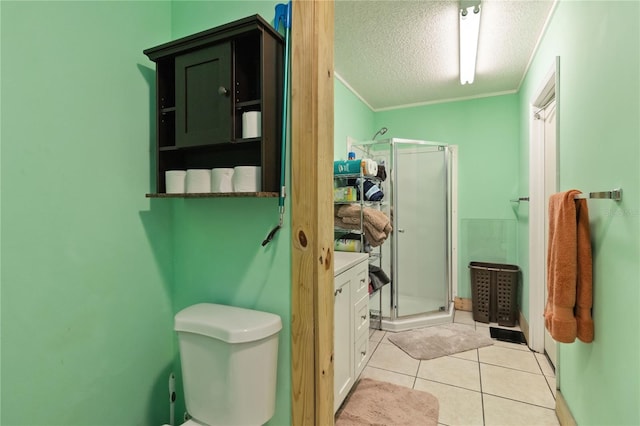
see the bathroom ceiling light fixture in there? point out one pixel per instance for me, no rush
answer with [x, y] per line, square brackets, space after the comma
[469, 14]
[380, 132]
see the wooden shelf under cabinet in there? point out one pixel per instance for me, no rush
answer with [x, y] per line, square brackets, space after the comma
[217, 195]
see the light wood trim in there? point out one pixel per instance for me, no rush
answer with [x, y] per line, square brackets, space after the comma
[312, 214]
[462, 304]
[562, 411]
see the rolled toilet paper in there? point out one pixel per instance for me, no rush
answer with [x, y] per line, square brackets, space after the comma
[221, 180]
[247, 179]
[198, 181]
[174, 181]
[251, 124]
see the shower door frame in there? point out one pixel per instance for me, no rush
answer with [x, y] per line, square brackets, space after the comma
[394, 307]
[390, 320]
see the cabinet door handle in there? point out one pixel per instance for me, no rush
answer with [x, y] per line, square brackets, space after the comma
[364, 317]
[363, 353]
[223, 91]
[335, 293]
[401, 230]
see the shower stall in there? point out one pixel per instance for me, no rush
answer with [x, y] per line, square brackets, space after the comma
[418, 256]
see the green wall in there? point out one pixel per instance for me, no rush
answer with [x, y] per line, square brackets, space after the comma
[189, 16]
[352, 118]
[486, 131]
[92, 272]
[599, 149]
[218, 256]
[86, 258]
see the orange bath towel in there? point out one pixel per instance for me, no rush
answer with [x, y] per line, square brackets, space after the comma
[569, 274]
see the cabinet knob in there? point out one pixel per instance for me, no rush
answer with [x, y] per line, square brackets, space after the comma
[401, 230]
[223, 91]
[364, 317]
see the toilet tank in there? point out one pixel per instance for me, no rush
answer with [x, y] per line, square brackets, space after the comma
[229, 358]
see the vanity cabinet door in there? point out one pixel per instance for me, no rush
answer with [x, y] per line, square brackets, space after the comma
[204, 110]
[342, 339]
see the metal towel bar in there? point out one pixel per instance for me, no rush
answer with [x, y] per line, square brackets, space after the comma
[614, 194]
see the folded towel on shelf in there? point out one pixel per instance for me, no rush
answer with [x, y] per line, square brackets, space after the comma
[569, 269]
[372, 235]
[369, 167]
[376, 224]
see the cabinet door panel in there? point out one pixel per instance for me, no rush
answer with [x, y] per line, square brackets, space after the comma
[203, 113]
[361, 284]
[361, 317]
[342, 339]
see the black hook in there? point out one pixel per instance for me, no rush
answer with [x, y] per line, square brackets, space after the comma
[270, 236]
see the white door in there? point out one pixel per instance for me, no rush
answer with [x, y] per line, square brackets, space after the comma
[420, 229]
[548, 115]
[543, 181]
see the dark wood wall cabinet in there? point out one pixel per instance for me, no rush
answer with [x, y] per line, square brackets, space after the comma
[205, 82]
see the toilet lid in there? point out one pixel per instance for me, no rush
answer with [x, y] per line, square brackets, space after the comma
[230, 324]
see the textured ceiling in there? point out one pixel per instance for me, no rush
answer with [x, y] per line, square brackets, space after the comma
[399, 53]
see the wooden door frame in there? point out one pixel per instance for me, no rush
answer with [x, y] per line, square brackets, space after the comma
[312, 80]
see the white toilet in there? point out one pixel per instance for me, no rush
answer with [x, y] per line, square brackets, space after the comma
[229, 359]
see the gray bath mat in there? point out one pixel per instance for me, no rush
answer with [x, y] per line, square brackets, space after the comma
[380, 403]
[440, 340]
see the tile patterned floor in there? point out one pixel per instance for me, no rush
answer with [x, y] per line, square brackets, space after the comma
[504, 384]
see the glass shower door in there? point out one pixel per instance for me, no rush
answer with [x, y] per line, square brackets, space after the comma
[420, 234]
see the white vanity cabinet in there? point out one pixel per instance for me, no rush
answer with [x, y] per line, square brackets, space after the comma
[351, 321]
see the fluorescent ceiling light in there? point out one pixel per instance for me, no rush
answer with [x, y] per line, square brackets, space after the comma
[469, 29]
